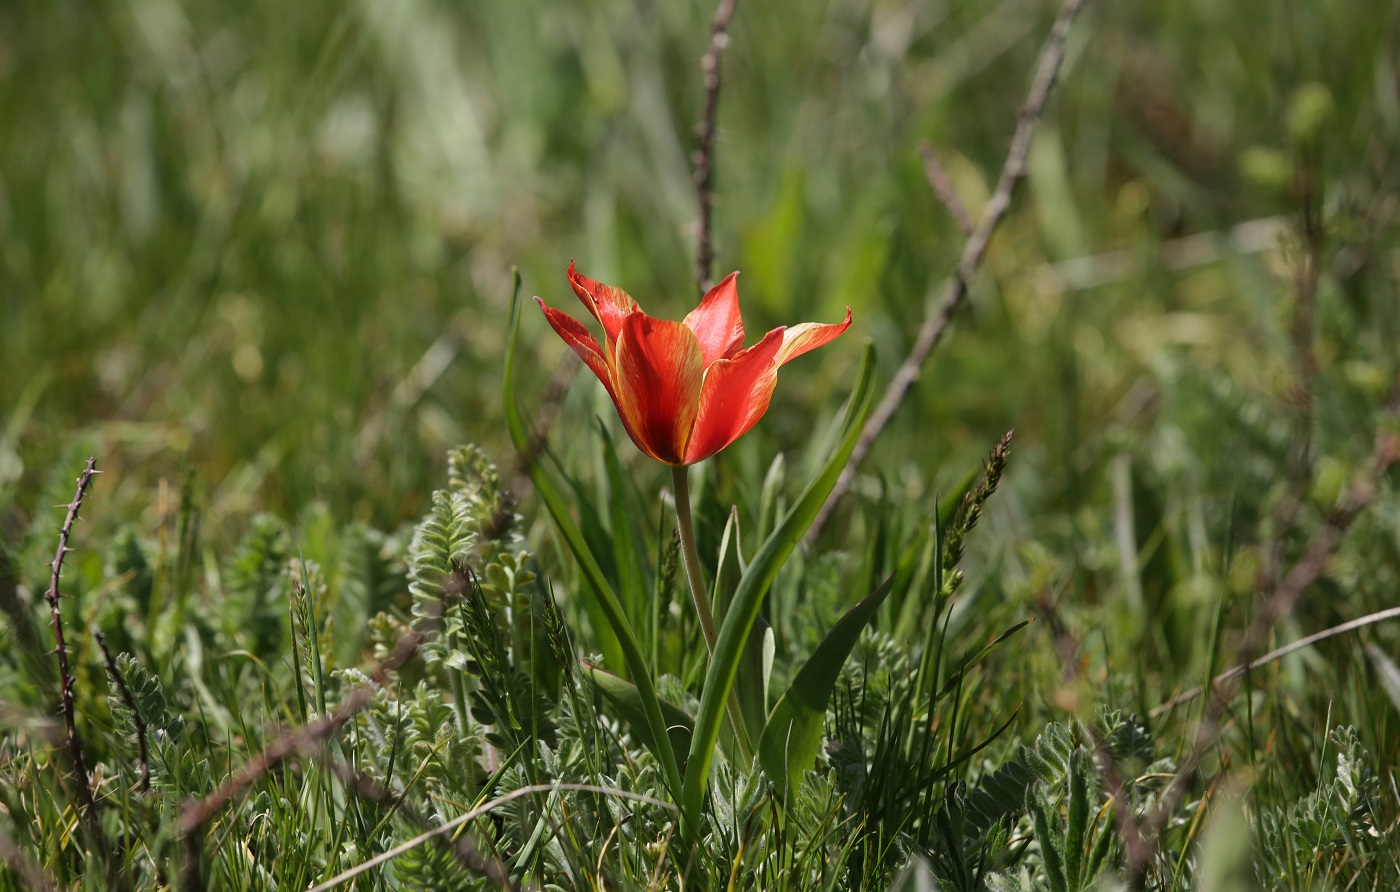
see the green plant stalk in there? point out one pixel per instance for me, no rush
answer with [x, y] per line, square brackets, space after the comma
[558, 511]
[743, 609]
[680, 481]
[680, 484]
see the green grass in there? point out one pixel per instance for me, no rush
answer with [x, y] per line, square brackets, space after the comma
[257, 259]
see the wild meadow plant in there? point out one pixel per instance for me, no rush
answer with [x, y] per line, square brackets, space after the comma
[784, 735]
[1152, 649]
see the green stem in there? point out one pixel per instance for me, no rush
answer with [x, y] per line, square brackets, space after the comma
[680, 480]
[690, 556]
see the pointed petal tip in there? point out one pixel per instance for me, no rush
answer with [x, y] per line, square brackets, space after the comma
[799, 339]
[717, 322]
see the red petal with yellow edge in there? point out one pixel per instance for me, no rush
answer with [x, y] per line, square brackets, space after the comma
[657, 368]
[608, 305]
[798, 339]
[716, 322]
[582, 340]
[735, 394]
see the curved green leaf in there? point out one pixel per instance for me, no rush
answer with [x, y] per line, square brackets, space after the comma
[793, 734]
[739, 617]
[569, 531]
[623, 696]
[751, 689]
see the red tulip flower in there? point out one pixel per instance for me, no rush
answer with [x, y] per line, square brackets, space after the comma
[685, 390]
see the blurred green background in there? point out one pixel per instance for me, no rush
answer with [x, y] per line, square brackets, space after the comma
[268, 245]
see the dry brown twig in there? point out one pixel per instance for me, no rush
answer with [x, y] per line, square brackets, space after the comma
[942, 186]
[1281, 601]
[305, 739]
[545, 417]
[25, 870]
[485, 808]
[1278, 653]
[65, 678]
[1141, 838]
[1052, 56]
[704, 153]
[461, 846]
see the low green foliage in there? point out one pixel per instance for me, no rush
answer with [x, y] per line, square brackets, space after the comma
[256, 258]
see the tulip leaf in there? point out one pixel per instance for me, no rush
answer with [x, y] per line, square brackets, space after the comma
[793, 735]
[624, 537]
[751, 686]
[607, 601]
[770, 500]
[622, 695]
[742, 612]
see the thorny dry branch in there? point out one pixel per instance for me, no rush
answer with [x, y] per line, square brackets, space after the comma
[24, 869]
[704, 153]
[1306, 571]
[460, 845]
[307, 738]
[1052, 56]
[65, 678]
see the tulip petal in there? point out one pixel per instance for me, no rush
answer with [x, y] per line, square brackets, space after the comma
[798, 339]
[657, 369]
[717, 323]
[581, 339]
[608, 305]
[734, 396]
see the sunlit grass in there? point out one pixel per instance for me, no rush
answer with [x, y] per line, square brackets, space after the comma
[257, 258]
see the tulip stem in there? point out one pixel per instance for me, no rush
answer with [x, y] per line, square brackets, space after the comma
[690, 556]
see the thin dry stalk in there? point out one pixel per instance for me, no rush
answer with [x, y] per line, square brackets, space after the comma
[25, 870]
[1277, 654]
[477, 812]
[461, 845]
[704, 153]
[130, 702]
[65, 679]
[305, 739]
[554, 393]
[1306, 571]
[942, 186]
[1052, 56]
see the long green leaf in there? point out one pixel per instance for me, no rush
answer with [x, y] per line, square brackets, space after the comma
[559, 512]
[793, 735]
[743, 610]
[752, 686]
[623, 697]
[626, 543]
